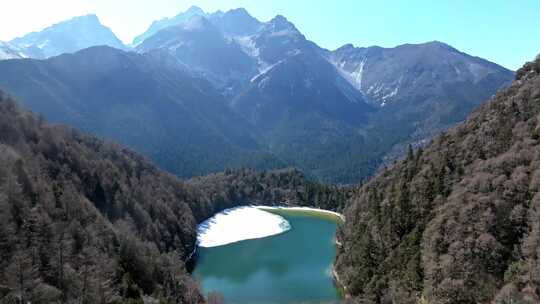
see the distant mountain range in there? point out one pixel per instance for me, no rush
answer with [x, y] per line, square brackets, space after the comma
[196, 44]
[86, 220]
[145, 101]
[65, 37]
[270, 96]
[168, 22]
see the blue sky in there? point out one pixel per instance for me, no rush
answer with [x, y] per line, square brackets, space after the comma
[504, 31]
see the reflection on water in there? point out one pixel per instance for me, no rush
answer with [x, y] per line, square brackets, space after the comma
[293, 267]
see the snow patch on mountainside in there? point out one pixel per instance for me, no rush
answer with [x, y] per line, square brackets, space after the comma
[285, 32]
[248, 46]
[358, 74]
[266, 69]
[355, 76]
[195, 23]
[238, 224]
[8, 51]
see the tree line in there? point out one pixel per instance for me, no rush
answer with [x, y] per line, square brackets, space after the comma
[459, 221]
[88, 221]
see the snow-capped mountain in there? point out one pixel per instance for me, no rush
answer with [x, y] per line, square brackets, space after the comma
[236, 22]
[389, 75]
[292, 71]
[198, 44]
[279, 39]
[335, 114]
[370, 100]
[67, 37]
[420, 89]
[179, 19]
[8, 51]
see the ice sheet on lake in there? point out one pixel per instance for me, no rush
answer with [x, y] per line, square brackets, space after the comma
[238, 224]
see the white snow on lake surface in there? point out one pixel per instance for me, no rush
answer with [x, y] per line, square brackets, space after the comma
[238, 224]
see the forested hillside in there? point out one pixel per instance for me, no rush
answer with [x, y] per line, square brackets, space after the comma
[147, 102]
[284, 187]
[86, 221]
[458, 222]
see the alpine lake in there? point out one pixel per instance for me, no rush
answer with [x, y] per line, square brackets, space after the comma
[294, 266]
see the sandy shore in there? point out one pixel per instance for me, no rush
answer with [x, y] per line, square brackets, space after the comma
[339, 215]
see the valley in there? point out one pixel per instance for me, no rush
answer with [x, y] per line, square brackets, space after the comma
[222, 158]
[273, 99]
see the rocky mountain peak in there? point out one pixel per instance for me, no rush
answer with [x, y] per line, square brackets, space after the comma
[238, 13]
[236, 22]
[67, 37]
[197, 23]
[280, 23]
[193, 10]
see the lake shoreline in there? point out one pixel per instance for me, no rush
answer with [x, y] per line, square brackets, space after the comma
[264, 259]
[276, 210]
[228, 226]
[304, 210]
[310, 210]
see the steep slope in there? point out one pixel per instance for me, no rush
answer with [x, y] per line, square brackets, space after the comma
[307, 113]
[236, 23]
[279, 38]
[147, 102]
[8, 51]
[158, 25]
[67, 37]
[197, 43]
[82, 220]
[422, 89]
[457, 222]
[277, 79]
[86, 221]
[407, 72]
[343, 113]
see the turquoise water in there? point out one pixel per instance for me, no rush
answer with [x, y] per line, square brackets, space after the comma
[292, 267]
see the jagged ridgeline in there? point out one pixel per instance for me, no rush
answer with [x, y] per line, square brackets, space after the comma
[272, 99]
[460, 221]
[89, 221]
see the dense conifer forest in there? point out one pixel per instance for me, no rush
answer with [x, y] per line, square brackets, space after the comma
[87, 221]
[447, 209]
[457, 222]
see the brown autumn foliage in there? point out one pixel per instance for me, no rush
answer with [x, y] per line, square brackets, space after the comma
[86, 221]
[82, 220]
[460, 221]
